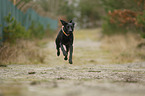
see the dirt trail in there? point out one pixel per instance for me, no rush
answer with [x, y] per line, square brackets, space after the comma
[90, 75]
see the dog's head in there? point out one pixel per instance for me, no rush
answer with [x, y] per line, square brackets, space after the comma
[68, 27]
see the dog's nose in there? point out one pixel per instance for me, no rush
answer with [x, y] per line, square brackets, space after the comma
[70, 30]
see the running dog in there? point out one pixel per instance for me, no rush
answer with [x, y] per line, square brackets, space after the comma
[65, 38]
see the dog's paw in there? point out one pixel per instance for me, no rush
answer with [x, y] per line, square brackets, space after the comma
[65, 58]
[70, 62]
[58, 53]
[65, 53]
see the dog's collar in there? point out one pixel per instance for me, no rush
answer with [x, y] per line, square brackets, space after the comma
[64, 32]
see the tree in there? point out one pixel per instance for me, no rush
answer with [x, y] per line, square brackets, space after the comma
[91, 12]
[125, 14]
[130, 18]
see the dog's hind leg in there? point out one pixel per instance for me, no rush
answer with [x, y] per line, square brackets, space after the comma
[58, 51]
[67, 49]
[57, 47]
[70, 56]
[63, 50]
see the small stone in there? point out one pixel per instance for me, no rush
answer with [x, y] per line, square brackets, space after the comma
[31, 72]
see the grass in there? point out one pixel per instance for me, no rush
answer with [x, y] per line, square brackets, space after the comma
[11, 91]
[94, 34]
[94, 71]
[3, 65]
[123, 48]
[23, 52]
[115, 49]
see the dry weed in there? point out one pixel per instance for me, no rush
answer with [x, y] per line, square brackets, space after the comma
[123, 48]
[23, 52]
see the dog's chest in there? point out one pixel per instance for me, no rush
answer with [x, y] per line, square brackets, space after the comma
[66, 40]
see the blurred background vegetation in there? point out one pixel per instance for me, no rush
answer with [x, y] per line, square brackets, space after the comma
[114, 17]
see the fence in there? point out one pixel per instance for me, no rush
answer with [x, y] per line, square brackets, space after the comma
[25, 19]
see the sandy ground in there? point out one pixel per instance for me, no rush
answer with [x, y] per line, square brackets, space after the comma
[89, 75]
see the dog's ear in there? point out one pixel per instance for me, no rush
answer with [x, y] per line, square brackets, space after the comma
[63, 22]
[71, 21]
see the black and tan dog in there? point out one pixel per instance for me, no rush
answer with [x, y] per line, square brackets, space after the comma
[65, 37]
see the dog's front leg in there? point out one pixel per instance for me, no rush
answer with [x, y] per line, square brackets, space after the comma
[67, 49]
[63, 51]
[70, 56]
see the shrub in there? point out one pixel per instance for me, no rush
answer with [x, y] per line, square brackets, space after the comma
[127, 15]
[109, 28]
[14, 30]
[37, 30]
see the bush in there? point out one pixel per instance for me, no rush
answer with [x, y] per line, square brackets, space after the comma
[14, 30]
[90, 12]
[124, 15]
[109, 28]
[37, 30]
[141, 21]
